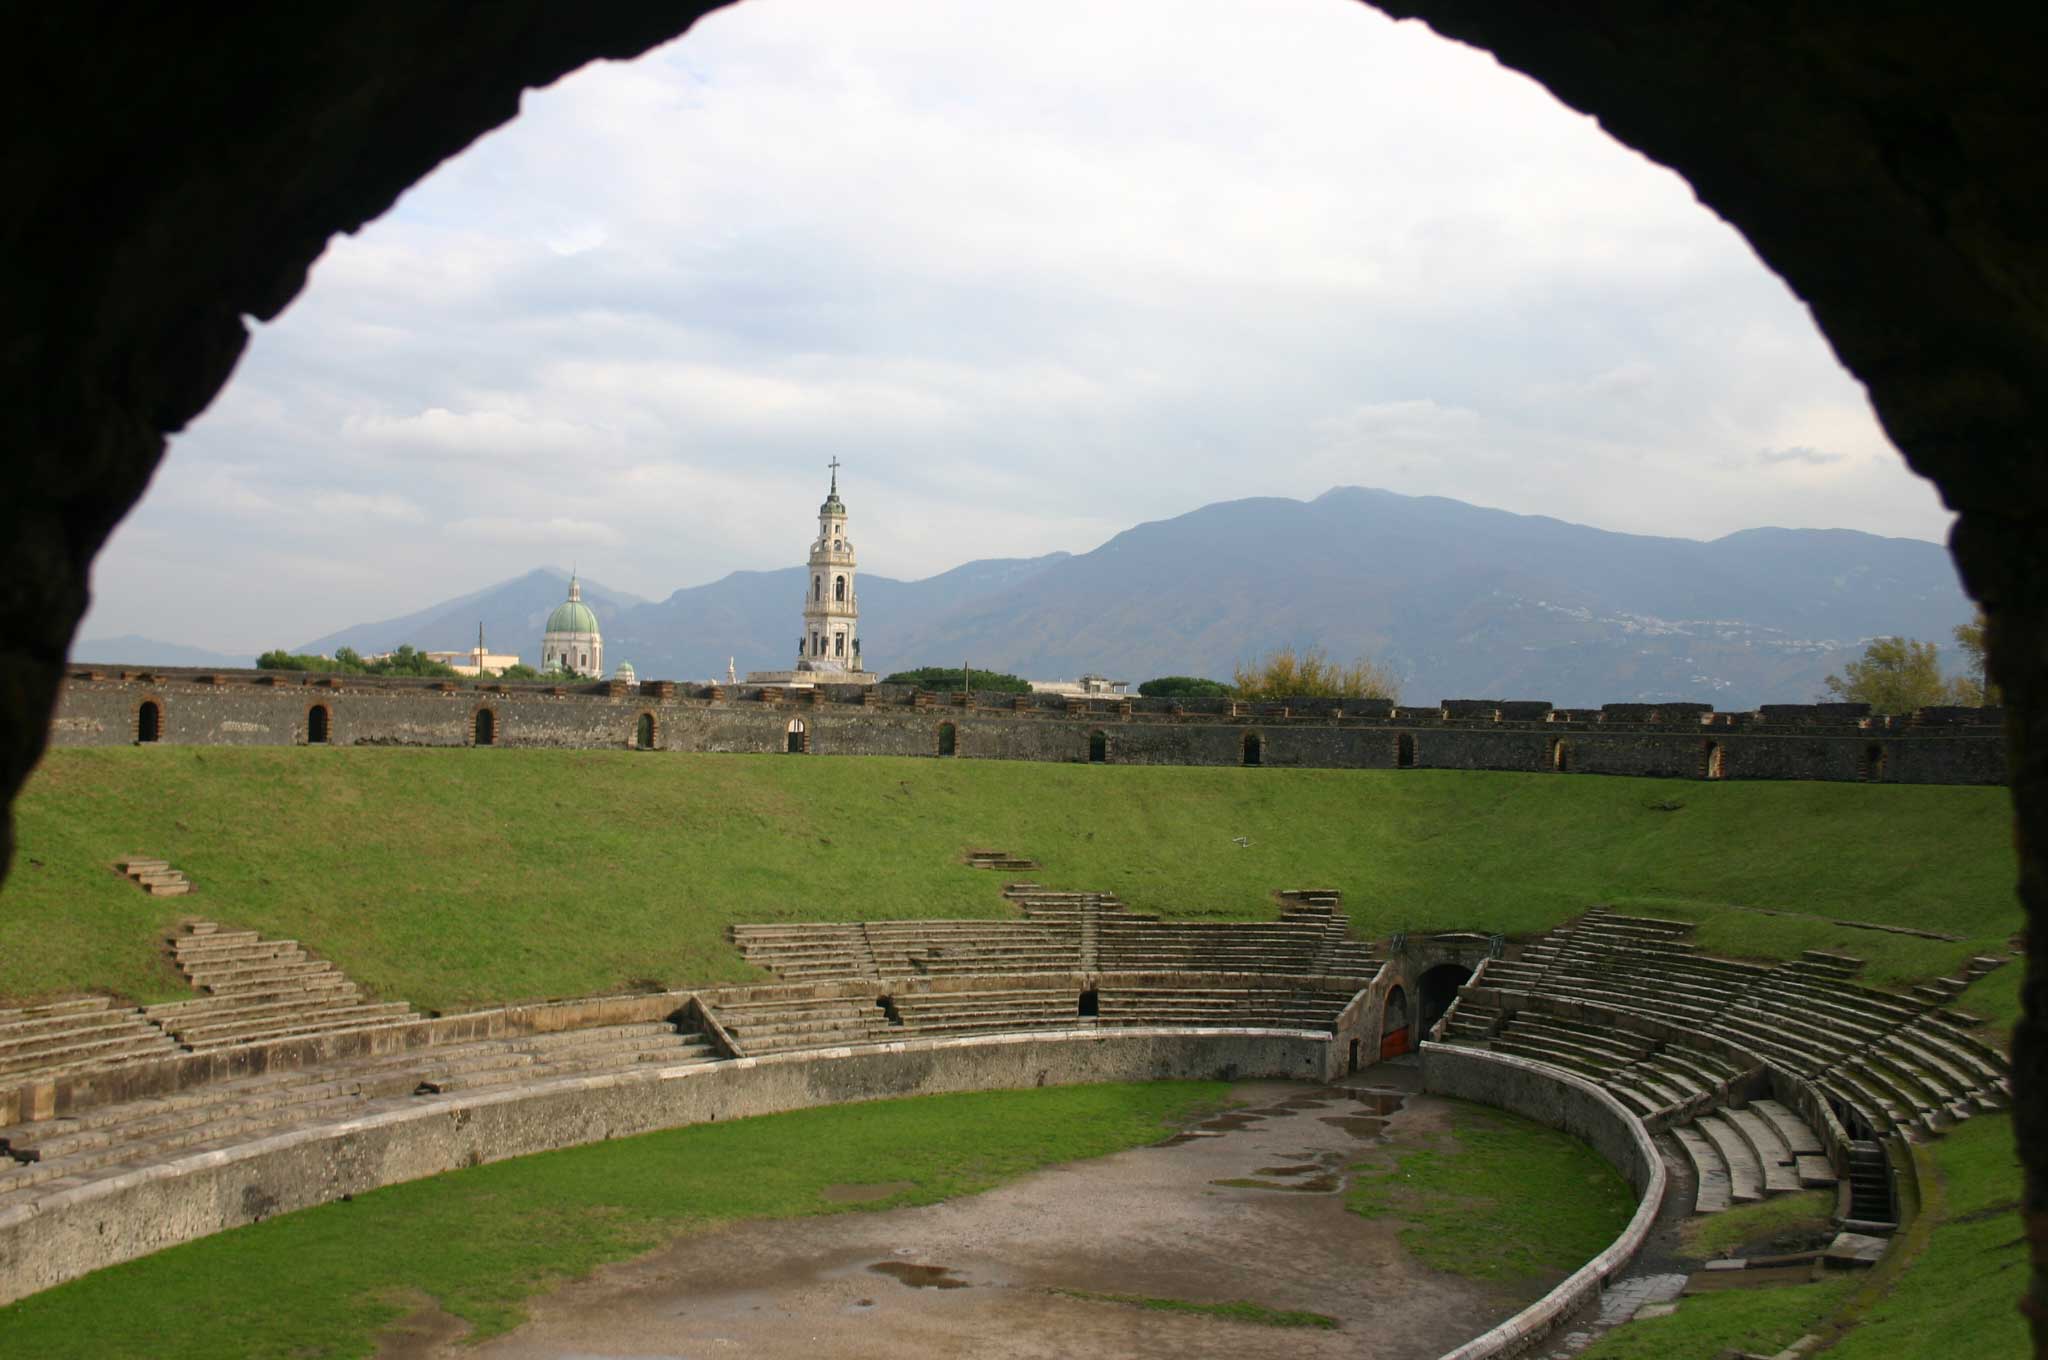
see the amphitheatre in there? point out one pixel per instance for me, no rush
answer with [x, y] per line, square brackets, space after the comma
[1300, 1030]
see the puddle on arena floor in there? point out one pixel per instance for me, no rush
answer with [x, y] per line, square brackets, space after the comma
[1244, 1205]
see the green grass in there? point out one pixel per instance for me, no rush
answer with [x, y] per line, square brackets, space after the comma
[457, 878]
[321, 1283]
[1237, 1311]
[1714, 1235]
[1497, 1198]
[1958, 1296]
[1759, 1321]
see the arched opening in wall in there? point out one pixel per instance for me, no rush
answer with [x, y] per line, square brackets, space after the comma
[1394, 1032]
[149, 721]
[1873, 764]
[316, 725]
[1351, 1060]
[1713, 760]
[1560, 755]
[1089, 1006]
[1098, 747]
[839, 589]
[484, 731]
[643, 731]
[817, 589]
[948, 739]
[1404, 752]
[1254, 749]
[796, 741]
[1436, 990]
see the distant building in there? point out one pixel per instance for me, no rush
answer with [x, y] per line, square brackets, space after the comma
[477, 661]
[625, 673]
[1087, 684]
[572, 642]
[828, 649]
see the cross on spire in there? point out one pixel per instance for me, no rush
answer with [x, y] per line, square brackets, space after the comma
[834, 465]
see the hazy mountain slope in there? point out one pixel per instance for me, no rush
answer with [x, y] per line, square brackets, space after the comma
[512, 612]
[1463, 601]
[133, 649]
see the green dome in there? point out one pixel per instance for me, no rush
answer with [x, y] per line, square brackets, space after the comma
[572, 615]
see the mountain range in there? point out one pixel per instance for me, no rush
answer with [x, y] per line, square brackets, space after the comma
[1461, 600]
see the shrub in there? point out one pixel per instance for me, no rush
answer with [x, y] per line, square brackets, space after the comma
[949, 678]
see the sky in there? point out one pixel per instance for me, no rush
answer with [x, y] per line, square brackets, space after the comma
[1033, 274]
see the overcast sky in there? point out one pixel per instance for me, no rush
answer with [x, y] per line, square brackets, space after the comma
[1034, 274]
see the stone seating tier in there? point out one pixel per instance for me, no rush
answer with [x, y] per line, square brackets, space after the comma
[65, 1035]
[107, 1140]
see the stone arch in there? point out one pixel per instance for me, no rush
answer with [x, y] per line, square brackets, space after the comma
[483, 730]
[1873, 763]
[1395, 1034]
[839, 590]
[796, 738]
[1713, 760]
[149, 721]
[949, 739]
[1253, 750]
[1853, 192]
[1098, 747]
[1404, 751]
[1560, 755]
[817, 589]
[644, 731]
[319, 724]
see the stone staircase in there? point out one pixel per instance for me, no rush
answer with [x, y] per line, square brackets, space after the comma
[257, 990]
[999, 859]
[1296, 1008]
[48, 1155]
[761, 1024]
[155, 876]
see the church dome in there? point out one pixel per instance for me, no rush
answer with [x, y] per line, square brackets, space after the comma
[572, 615]
[624, 672]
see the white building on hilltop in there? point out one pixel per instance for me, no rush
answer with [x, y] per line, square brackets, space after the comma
[572, 642]
[828, 650]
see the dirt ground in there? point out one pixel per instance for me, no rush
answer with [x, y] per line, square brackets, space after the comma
[1244, 1206]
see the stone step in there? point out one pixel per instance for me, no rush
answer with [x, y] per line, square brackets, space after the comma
[328, 989]
[214, 936]
[1773, 1158]
[189, 953]
[1712, 1193]
[126, 1045]
[247, 1029]
[57, 1037]
[142, 864]
[49, 1009]
[1798, 1138]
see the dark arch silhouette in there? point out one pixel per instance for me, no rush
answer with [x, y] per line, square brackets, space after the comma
[1873, 763]
[486, 730]
[796, 741]
[1404, 752]
[839, 589]
[149, 721]
[1254, 749]
[948, 739]
[1903, 212]
[643, 732]
[1560, 754]
[1098, 747]
[316, 725]
[1713, 760]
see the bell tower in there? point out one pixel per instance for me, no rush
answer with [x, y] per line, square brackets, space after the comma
[831, 640]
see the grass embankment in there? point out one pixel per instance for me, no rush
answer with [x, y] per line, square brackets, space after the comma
[323, 1282]
[455, 878]
[1948, 1287]
[1496, 1197]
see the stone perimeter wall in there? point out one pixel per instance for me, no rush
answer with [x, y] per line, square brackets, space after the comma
[1819, 741]
[1563, 1101]
[70, 1232]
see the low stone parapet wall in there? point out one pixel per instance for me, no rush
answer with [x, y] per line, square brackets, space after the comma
[70, 1232]
[1565, 1101]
